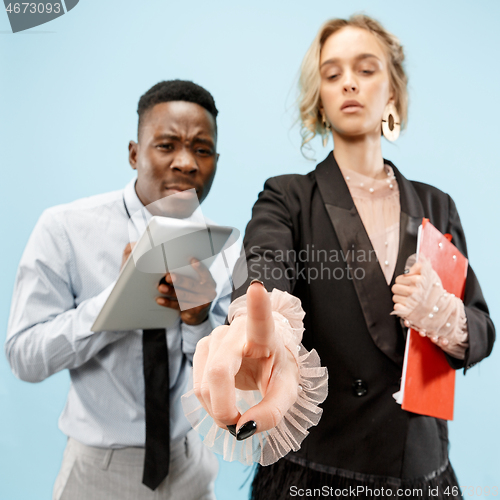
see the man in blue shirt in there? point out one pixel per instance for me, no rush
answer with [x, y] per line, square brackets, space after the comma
[70, 265]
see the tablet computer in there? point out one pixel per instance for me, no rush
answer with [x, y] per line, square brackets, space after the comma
[167, 245]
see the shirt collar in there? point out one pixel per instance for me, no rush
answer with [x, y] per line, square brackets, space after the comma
[138, 214]
[132, 201]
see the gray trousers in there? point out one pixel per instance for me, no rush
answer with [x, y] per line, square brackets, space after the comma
[89, 473]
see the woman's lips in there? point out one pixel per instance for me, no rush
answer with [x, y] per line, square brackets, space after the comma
[351, 107]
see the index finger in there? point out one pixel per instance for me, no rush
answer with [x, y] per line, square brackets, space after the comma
[408, 279]
[260, 322]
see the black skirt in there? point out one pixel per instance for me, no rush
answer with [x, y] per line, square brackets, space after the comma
[285, 480]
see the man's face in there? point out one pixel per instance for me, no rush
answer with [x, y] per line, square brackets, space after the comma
[176, 151]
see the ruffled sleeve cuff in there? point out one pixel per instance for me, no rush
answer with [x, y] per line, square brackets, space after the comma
[434, 312]
[269, 446]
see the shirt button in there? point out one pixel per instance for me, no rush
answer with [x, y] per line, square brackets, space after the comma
[359, 388]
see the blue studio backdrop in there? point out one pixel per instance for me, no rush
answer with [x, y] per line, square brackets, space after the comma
[68, 97]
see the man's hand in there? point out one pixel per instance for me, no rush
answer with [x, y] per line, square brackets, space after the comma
[247, 355]
[127, 252]
[197, 293]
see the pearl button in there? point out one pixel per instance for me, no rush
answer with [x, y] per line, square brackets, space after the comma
[386, 262]
[362, 184]
[435, 309]
[454, 257]
[431, 315]
[440, 245]
[347, 178]
[386, 243]
[448, 325]
[371, 190]
[391, 186]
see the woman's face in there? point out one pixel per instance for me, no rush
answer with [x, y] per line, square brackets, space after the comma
[355, 86]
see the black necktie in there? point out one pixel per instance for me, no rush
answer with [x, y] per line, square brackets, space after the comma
[156, 383]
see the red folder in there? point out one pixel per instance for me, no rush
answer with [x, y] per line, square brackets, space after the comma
[428, 383]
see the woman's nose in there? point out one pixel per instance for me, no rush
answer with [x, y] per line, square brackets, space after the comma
[349, 83]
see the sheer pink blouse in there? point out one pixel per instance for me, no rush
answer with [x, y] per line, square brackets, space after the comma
[429, 309]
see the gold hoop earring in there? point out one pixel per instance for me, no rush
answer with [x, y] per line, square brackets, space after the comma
[327, 126]
[391, 124]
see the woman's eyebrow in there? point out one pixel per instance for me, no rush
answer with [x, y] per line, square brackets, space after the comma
[336, 60]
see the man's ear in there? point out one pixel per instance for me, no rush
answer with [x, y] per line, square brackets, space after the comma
[132, 154]
[217, 157]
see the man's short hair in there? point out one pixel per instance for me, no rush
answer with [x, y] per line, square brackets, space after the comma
[176, 90]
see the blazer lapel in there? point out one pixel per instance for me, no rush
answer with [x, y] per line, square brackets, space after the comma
[374, 295]
[411, 216]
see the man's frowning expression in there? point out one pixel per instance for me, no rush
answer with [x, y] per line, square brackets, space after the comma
[176, 151]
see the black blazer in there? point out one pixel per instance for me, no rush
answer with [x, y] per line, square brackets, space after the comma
[306, 237]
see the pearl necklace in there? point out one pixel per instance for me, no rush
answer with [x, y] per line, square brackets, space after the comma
[391, 178]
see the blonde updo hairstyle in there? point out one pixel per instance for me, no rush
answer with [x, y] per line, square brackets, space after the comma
[310, 80]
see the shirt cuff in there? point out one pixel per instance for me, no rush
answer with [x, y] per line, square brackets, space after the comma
[91, 308]
[191, 334]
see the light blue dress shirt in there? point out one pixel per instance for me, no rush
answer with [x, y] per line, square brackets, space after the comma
[69, 266]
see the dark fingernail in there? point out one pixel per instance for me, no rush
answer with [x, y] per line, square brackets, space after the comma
[246, 430]
[232, 429]
[257, 281]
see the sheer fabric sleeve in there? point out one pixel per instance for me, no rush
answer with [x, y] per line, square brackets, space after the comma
[436, 313]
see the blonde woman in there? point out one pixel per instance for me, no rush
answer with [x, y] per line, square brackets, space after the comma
[335, 243]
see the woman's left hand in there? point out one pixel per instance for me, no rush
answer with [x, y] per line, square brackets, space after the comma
[405, 286]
